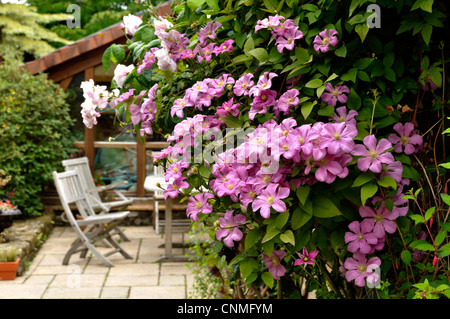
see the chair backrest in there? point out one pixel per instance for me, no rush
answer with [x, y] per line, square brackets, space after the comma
[71, 191]
[82, 164]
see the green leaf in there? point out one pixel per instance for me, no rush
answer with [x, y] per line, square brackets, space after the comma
[260, 54]
[425, 5]
[213, 4]
[429, 213]
[307, 108]
[323, 207]
[341, 52]
[362, 30]
[406, 257]
[389, 74]
[194, 4]
[302, 193]
[106, 58]
[446, 198]
[444, 251]
[268, 279]
[440, 237]
[271, 5]
[302, 55]
[299, 218]
[388, 60]
[249, 45]
[118, 53]
[350, 75]
[368, 191]
[288, 237]
[252, 237]
[363, 179]
[426, 33]
[422, 245]
[232, 122]
[387, 181]
[271, 233]
[417, 218]
[282, 219]
[314, 84]
[247, 266]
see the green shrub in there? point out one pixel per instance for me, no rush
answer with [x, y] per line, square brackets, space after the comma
[35, 135]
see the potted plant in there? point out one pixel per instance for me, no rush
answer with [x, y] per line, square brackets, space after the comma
[9, 263]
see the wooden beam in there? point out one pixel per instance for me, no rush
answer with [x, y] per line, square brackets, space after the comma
[89, 134]
[102, 144]
[65, 83]
[140, 168]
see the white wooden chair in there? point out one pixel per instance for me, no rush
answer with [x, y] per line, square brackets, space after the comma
[92, 227]
[93, 191]
[82, 164]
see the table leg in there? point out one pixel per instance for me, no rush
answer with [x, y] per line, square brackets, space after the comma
[168, 227]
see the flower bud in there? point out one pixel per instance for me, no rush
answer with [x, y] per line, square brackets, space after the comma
[435, 260]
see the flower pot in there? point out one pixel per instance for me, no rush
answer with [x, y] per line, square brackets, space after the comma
[8, 270]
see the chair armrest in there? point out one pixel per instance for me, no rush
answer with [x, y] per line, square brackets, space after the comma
[106, 187]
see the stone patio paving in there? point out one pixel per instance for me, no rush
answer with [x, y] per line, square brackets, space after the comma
[142, 277]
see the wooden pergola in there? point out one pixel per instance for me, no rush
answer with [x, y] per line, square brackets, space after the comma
[85, 57]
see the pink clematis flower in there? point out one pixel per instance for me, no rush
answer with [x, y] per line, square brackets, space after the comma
[229, 228]
[341, 115]
[332, 95]
[374, 155]
[264, 83]
[381, 220]
[286, 101]
[227, 46]
[173, 189]
[338, 137]
[406, 139]
[360, 238]
[271, 197]
[306, 258]
[324, 39]
[208, 32]
[273, 263]
[243, 84]
[269, 23]
[359, 269]
[198, 204]
[287, 40]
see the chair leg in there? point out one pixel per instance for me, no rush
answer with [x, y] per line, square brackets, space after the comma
[116, 245]
[156, 214]
[122, 235]
[73, 249]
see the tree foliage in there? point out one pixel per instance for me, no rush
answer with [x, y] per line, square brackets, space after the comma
[35, 135]
[23, 32]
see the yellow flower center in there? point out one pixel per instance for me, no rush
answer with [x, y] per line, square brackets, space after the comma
[269, 200]
[404, 140]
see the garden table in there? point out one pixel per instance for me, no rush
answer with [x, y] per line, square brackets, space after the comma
[154, 184]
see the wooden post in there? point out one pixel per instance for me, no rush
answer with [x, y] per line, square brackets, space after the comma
[89, 134]
[140, 168]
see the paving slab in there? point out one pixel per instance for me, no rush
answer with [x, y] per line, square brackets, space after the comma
[142, 277]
